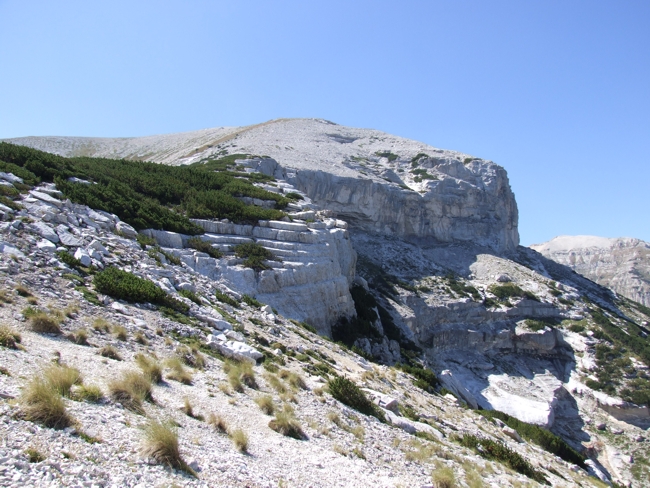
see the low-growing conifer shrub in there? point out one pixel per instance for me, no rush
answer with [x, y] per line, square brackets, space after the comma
[204, 246]
[222, 297]
[498, 451]
[122, 285]
[348, 393]
[253, 255]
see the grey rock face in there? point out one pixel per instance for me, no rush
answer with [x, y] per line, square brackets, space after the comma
[622, 264]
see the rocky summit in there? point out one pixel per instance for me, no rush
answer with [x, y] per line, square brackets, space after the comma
[298, 303]
[622, 264]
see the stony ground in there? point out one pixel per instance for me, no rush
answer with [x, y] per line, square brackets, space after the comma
[104, 445]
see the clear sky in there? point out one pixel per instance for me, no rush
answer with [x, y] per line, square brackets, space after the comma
[557, 92]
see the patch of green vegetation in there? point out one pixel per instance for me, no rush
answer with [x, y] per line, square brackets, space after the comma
[632, 337]
[498, 451]
[145, 241]
[461, 289]
[190, 295]
[540, 436]
[422, 174]
[612, 363]
[347, 392]
[150, 195]
[425, 379]
[204, 246]
[539, 324]
[415, 160]
[387, 154]
[292, 195]
[251, 302]
[253, 255]
[122, 285]
[510, 290]
[89, 295]
[223, 298]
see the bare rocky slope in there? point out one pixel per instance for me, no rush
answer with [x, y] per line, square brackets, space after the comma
[408, 252]
[622, 264]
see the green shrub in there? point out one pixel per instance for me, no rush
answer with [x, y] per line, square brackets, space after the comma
[540, 324]
[250, 301]
[68, 259]
[387, 154]
[253, 255]
[508, 290]
[348, 393]
[204, 246]
[425, 378]
[126, 286]
[222, 297]
[540, 436]
[190, 295]
[149, 195]
[498, 451]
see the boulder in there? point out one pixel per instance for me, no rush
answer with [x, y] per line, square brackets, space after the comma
[235, 349]
[45, 231]
[126, 230]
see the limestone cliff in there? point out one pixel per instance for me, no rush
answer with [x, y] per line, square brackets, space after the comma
[621, 264]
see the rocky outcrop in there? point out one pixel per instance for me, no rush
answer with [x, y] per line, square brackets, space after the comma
[466, 204]
[622, 264]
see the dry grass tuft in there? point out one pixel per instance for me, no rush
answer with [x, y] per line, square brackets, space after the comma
[160, 443]
[23, 291]
[88, 393]
[140, 338]
[41, 403]
[131, 390]
[110, 352]
[443, 478]
[275, 383]
[9, 338]
[240, 439]
[120, 333]
[5, 297]
[294, 379]
[101, 325]
[286, 424]
[189, 410]
[62, 378]
[178, 371]
[80, 337]
[240, 374]
[265, 402]
[44, 323]
[150, 367]
[218, 422]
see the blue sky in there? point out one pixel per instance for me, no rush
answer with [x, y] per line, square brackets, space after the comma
[557, 92]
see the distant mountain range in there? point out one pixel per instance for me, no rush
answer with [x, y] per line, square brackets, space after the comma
[621, 264]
